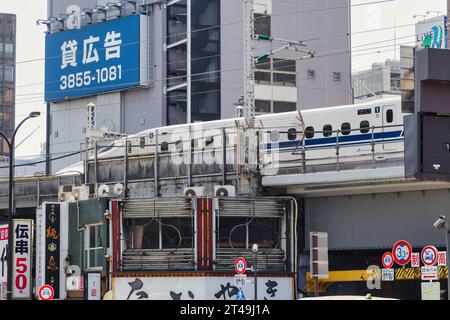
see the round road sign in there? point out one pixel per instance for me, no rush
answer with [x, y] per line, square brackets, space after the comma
[402, 251]
[387, 260]
[240, 265]
[429, 255]
[46, 292]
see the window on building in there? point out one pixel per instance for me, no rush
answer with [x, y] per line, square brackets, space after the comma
[93, 247]
[262, 106]
[262, 24]
[311, 74]
[390, 116]
[157, 234]
[309, 132]
[242, 233]
[292, 134]
[345, 128]
[327, 130]
[364, 126]
[262, 77]
[282, 106]
[336, 76]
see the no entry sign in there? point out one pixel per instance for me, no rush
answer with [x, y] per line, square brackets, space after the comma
[402, 251]
[429, 255]
[387, 260]
[240, 265]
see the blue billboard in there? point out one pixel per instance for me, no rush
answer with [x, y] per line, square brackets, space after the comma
[101, 57]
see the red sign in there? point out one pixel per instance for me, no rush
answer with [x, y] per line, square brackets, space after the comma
[387, 260]
[46, 292]
[415, 260]
[3, 234]
[240, 265]
[442, 258]
[402, 251]
[429, 255]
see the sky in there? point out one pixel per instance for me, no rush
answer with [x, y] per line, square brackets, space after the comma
[365, 18]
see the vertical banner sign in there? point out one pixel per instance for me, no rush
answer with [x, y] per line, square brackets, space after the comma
[22, 258]
[52, 245]
[3, 260]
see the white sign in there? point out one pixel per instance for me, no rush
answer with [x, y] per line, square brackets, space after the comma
[3, 260]
[431, 291]
[430, 273]
[432, 33]
[442, 258]
[22, 249]
[240, 280]
[387, 275]
[94, 286]
[429, 255]
[199, 288]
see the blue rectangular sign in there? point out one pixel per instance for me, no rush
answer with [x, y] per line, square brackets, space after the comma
[97, 58]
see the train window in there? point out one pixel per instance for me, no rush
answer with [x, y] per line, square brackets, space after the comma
[345, 128]
[292, 134]
[309, 132]
[142, 142]
[364, 126]
[179, 145]
[327, 130]
[390, 116]
[209, 141]
[164, 146]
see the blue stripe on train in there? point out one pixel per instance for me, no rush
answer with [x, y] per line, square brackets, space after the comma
[358, 138]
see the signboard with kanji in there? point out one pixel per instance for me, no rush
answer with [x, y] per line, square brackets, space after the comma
[3, 260]
[442, 258]
[22, 258]
[415, 260]
[387, 275]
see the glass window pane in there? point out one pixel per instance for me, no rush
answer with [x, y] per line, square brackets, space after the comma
[345, 128]
[280, 106]
[292, 134]
[232, 230]
[390, 116]
[327, 130]
[309, 132]
[262, 106]
[265, 232]
[262, 24]
[364, 125]
[284, 65]
[177, 233]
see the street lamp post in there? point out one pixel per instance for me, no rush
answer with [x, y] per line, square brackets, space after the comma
[255, 268]
[11, 208]
[442, 223]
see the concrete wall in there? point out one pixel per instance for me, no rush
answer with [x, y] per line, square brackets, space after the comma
[378, 221]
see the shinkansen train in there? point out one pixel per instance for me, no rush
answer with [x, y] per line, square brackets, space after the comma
[311, 140]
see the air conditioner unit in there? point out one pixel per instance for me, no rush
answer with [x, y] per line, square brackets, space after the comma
[80, 193]
[65, 193]
[103, 191]
[225, 191]
[194, 191]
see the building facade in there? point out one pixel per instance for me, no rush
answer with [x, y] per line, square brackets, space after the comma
[7, 76]
[194, 70]
[381, 80]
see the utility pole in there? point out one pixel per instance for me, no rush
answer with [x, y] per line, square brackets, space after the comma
[249, 71]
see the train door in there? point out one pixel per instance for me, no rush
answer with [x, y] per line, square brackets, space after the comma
[388, 121]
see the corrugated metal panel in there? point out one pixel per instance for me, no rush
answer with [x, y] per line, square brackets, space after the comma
[268, 259]
[233, 207]
[166, 259]
[158, 207]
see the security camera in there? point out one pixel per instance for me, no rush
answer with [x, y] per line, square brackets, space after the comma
[440, 223]
[255, 248]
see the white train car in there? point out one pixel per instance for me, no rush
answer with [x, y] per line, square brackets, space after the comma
[313, 140]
